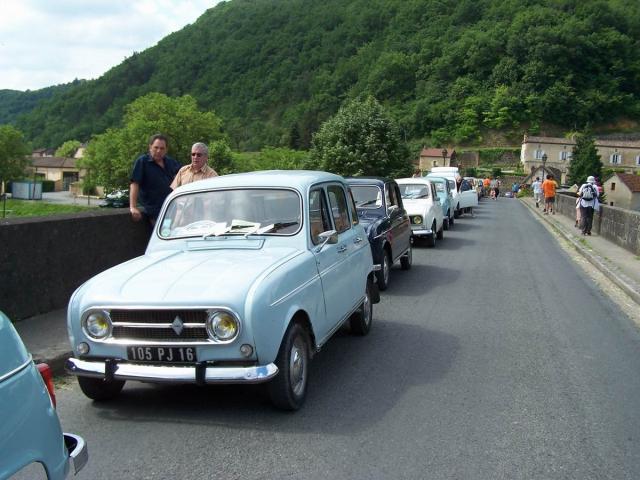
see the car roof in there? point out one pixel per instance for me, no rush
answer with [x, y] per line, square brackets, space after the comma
[299, 179]
[368, 180]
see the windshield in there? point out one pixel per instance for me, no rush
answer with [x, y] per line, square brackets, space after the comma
[440, 188]
[233, 212]
[367, 196]
[414, 190]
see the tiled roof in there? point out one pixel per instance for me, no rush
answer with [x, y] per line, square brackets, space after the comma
[630, 180]
[53, 162]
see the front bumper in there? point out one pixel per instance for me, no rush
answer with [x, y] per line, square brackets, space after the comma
[419, 231]
[200, 373]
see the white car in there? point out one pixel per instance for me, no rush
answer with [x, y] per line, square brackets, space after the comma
[464, 199]
[423, 207]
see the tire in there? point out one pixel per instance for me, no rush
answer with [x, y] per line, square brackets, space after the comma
[451, 221]
[289, 388]
[445, 223]
[407, 259]
[431, 239]
[100, 390]
[360, 321]
[456, 212]
[382, 275]
[440, 234]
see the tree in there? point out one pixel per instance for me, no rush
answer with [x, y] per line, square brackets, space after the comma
[110, 155]
[360, 139]
[13, 153]
[68, 148]
[585, 160]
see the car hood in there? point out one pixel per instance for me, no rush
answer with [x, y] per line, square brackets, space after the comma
[184, 277]
[416, 207]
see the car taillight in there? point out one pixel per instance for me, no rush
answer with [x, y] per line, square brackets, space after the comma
[47, 376]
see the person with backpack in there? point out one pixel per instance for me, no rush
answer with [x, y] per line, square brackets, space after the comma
[588, 195]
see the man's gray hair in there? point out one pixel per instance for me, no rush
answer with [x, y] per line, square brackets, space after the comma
[201, 146]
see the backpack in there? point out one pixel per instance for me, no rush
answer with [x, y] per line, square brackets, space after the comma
[587, 192]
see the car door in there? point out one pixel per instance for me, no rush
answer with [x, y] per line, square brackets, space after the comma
[326, 212]
[399, 220]
[468, 195]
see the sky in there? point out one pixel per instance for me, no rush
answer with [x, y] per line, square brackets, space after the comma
[49, 42]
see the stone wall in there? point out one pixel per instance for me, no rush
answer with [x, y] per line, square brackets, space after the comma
[618, 225]
[44, 259]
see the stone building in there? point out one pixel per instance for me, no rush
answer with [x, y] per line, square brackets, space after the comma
[623, 190]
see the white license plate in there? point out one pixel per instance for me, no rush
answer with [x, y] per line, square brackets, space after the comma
[162, 354]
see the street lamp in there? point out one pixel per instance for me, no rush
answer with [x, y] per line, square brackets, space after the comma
[544, 162]
[444, 157]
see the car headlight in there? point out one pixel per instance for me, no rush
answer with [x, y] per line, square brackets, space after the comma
[222, 326]
[417, 219]
[98, 324]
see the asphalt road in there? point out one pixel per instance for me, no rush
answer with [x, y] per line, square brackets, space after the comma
[494, 357]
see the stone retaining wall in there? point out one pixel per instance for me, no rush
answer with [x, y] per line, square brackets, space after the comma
[618, 225]
[44, 259]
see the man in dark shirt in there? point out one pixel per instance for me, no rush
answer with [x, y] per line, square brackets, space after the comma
[151, 178]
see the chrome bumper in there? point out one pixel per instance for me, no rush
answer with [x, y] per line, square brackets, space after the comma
[78, 453]
[168, 373]
[419, 232]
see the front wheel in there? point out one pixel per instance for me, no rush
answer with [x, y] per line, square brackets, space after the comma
[431, 239]
[289, 389]
[441, 233]
[457, 212]
[99, 389]
[360, 321]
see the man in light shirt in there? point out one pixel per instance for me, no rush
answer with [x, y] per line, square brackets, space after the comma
[537, 191]
[197, 169]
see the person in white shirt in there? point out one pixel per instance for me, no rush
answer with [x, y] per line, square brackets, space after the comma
[537, 191]
[588, 194]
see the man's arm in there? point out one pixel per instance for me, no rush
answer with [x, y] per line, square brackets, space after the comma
[134, 188]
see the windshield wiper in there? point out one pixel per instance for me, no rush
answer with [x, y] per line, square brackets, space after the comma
[368, 202]
[276, 226]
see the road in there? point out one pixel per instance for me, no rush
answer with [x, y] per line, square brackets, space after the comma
[494, 357]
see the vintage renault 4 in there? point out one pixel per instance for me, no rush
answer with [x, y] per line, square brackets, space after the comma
[244, 279]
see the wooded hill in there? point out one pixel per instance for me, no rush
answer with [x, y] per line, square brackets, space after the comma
[447, 70]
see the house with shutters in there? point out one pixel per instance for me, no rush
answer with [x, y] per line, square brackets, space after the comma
[623, 190]
[617, 154]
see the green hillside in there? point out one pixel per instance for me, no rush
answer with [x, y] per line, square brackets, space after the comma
[448, 70]
[14, 103]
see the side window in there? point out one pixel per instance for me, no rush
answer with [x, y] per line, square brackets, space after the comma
[434, 195]
[392, 195]
[319, 220]
[352, 209]
[339, 208]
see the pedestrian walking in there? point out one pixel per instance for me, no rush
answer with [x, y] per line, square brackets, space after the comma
[197, 169]
[549, 187]
[151, 180]
[537, 191]
[588, 195]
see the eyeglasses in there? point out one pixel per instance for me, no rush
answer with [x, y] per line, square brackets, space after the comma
[197, 154]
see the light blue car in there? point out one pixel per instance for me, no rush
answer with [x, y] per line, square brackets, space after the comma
[244, 279]
[443, 190]
[32, 444]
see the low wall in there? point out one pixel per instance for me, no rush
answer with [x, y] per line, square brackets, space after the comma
[619, 225]
[44, 259]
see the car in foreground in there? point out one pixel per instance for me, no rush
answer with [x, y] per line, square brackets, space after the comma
[32, 444]
[381, 211]
[244, 279]
[423, 207]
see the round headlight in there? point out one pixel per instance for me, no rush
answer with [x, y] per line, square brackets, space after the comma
[222, 326]
[98, 324]
[417, 220]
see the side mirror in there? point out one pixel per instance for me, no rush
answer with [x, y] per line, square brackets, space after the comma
[393, 208]
[330, 237]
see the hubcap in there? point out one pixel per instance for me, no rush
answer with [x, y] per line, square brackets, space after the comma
[366, 309]
[385, 268]
[297, 367]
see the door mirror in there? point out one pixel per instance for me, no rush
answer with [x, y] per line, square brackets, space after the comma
[330, 237]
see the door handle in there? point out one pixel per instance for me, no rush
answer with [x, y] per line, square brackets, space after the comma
[357, 240]
[342, 248]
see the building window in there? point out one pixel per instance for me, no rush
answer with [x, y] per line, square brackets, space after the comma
[613, 186]
[616, 159]
[564, 155]
[538, 154]
[637, 159]
[435, 163]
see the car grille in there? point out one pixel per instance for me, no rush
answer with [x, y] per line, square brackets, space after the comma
[157, 325]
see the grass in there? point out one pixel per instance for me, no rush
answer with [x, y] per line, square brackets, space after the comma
[37, 208]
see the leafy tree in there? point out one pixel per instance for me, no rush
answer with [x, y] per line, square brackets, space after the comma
[585, 160]
[68, 148]
[110, 155]
[361, 139]
[496, 172]
[13, 153]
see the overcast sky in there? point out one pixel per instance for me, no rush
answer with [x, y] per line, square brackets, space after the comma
[48, 42]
